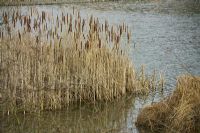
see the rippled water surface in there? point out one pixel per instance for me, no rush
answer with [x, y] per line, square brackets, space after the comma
[165, 37]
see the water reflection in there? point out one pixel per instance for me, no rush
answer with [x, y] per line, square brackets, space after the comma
[102, 117]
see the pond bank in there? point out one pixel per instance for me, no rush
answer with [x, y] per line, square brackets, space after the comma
[180, 112]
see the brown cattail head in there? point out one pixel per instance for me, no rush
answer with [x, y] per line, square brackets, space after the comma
[9, 29]
[99, 43]
[35, 24]
[75, 24]
[79, 25]
[25, 19]
[31, 11]
[112, 37]
[14, 24]
[17, 14]
[5, 18]
[57, 20]
[70, 28]
[106, 25]
[58, 23]
[60, 42]
[67, 17]
[63, 19]
[128, 36]
[120, 30]
[109, 36]
[74, 36]
[117, 39]
[83, 24]
[28, 27]
[13, 17]
[37, 40]
[70, 18]
[87, 45]
[90, 22]
[19, 36]
[112, 30]
[43, 16]
[61, 27]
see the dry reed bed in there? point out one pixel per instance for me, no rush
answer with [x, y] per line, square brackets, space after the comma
[179, 113]
[48, 62]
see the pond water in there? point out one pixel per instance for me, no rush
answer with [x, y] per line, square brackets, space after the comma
[165, 38]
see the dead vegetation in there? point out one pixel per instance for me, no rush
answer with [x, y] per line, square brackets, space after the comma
[49, 62]
[178, 113]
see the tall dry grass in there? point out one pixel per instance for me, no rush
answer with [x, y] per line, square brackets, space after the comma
[48, 62]
[179, 113]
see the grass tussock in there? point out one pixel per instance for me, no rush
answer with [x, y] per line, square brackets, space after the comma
[48, 62]
[180, 112]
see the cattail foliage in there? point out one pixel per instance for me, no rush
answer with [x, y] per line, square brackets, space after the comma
[72, 59]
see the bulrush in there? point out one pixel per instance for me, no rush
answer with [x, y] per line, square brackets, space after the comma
[67, 17]
[43, 16]
[5, 18]
[128, 36]
[83, 24]
[121, 30]
[19, 36]
[59, 63]
[106, 25]
[99, 43]
[14, 23]
[2, 34]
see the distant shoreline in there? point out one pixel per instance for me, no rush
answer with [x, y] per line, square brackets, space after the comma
[195, 3]
[46, 3]
[59, 2]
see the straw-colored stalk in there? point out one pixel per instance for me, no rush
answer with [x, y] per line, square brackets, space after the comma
[46, 68]
[178, 113]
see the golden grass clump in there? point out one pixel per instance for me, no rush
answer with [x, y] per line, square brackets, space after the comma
[179, 113]
[48, 62]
